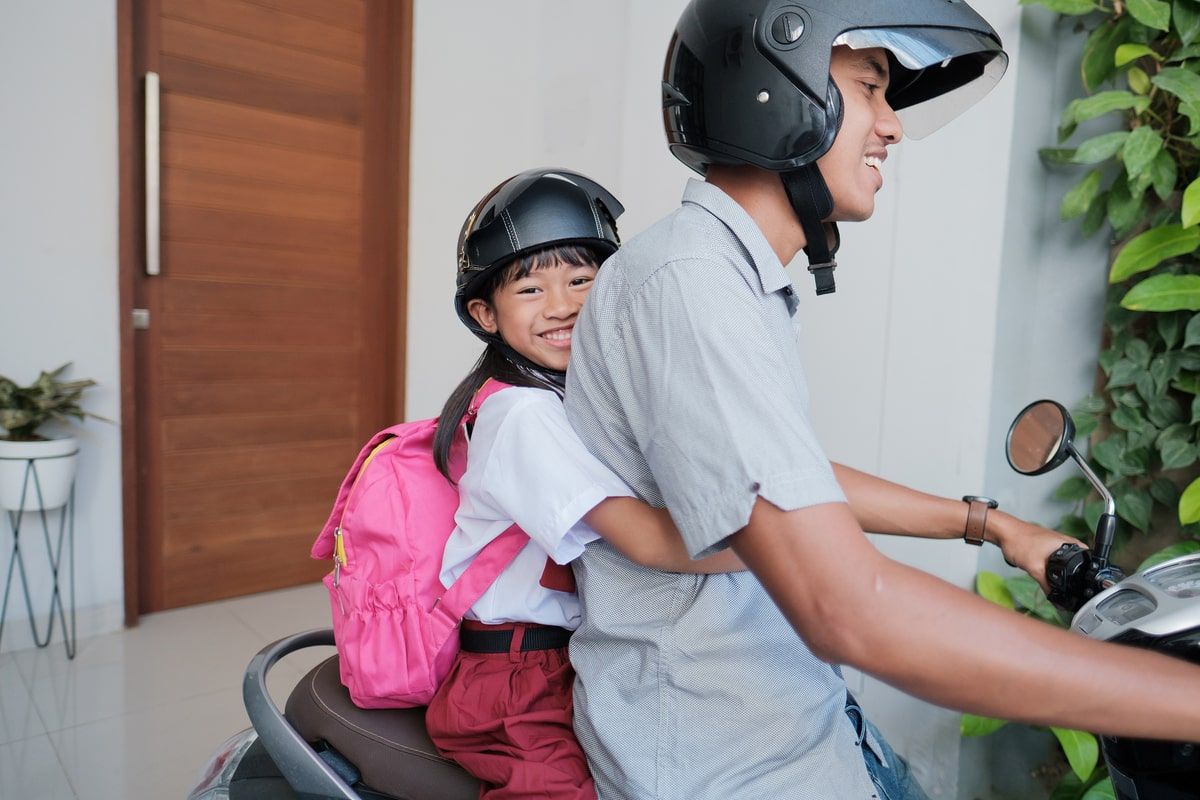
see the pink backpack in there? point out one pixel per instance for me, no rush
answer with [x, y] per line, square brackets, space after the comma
[395, 625]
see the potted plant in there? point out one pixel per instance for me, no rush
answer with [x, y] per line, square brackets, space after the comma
[23, 410]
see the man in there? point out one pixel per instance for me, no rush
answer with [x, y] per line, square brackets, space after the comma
[686, 380]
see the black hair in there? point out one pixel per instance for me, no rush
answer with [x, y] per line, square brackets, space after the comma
[493, 362]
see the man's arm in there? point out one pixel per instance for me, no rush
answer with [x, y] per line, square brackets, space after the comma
[647, 536]
[881, 506]
[851, 605]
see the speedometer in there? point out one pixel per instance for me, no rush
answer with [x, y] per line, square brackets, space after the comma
[1181, 580]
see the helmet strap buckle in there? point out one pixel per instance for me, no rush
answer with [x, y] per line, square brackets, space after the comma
[812, 203]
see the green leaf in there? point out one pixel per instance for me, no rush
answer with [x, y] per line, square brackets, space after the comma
[1163, 175]
[1128, 419]
[1134, 508]
[1184, 53]
[1074, 525]
[1098, 62]
[1138, 352]
[1165, 491]
[1170, 327]
[1166, 554]
[1195, 410]
[1101, 791]
[1029, 596]
[1148, 250]
[1069, 788]
[1100, 148]
[1124, 373]
[1110, 453]
[1085, 424]
[1177, 455]
[1191, 334]
[1072, 489]
[1132, 52]
[1138, 80]
[1189, 503]
[1057, 156]
[990, 586]
[1185, 85]
[1165, 293]
[1191, 204]
[1163, 410]
[1141, 148]
[1092, 404]
[1187, 20]
[1079, 200]
[1165, 367]
[1188, 382]
[1072, 7]
[1082, 751]
[1125, 208]
[1086, 108]
[1151, 13]
[972, 725]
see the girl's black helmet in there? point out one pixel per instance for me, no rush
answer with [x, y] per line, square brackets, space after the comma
[531, 211]
[747, 81]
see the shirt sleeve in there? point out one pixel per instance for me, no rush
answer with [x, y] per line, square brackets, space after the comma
[715, 403]
[540, 474]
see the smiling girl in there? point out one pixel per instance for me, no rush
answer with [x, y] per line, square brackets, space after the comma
[528, 254]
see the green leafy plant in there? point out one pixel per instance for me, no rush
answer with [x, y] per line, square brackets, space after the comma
[1140, 69]
[23, 409]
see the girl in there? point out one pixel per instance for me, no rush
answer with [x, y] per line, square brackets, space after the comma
[528, 253]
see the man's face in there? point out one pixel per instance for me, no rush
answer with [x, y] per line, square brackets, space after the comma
[852, 167]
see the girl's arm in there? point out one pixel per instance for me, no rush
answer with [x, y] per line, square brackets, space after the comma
[647, 536]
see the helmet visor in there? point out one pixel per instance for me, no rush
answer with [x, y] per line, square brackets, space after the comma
[937, 73]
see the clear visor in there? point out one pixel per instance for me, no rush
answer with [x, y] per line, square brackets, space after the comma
[937, 73]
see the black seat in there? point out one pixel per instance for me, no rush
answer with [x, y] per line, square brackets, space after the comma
[388, 746]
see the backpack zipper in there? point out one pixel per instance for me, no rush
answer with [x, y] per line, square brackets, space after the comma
[339, 545]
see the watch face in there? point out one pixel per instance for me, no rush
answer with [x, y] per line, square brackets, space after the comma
[973, 497]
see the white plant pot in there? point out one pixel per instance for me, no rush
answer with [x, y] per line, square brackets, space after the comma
[54, 460]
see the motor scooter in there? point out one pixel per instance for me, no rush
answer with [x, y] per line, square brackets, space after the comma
[323, 747]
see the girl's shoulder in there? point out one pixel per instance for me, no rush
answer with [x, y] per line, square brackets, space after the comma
[519, 406]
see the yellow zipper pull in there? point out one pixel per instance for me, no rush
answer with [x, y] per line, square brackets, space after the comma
[339, 558]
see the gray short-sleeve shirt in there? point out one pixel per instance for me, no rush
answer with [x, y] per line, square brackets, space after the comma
[686, 381]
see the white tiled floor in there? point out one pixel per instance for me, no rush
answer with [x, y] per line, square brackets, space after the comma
[135, 715]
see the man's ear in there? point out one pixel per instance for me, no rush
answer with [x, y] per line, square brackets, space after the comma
[482, 312]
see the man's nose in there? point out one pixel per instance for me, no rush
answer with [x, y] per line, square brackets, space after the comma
[888, 126]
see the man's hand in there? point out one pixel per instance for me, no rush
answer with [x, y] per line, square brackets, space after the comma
[1026, 545]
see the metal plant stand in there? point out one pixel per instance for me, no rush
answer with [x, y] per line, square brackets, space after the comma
[54, 554]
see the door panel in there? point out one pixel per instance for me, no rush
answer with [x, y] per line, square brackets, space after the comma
[272, 350]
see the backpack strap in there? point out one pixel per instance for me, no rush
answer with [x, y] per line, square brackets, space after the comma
[489, 388]
[482, 573]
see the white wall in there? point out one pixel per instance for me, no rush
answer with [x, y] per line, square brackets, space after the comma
[58, 265]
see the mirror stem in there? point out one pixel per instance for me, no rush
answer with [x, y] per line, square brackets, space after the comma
[1107, 527]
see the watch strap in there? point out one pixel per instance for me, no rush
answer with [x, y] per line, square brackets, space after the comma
[977, 510]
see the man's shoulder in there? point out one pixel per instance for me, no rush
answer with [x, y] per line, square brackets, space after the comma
[689, 239]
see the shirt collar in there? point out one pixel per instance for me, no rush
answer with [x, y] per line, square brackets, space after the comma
[770, 270]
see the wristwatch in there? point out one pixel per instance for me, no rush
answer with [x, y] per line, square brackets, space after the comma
[977, 509]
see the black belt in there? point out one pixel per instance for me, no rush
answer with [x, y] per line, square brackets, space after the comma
[542, 637]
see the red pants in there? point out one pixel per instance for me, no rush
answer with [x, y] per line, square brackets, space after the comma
[506, 718]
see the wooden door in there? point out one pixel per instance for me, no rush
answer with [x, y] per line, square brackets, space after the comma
[272, 350]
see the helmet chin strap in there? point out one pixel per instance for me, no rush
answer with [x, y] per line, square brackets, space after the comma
[810, 199]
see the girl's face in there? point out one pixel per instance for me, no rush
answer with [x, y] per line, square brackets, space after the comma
[535, 315]
[853, 166]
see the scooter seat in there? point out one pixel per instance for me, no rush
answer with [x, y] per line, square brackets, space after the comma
[388, 746]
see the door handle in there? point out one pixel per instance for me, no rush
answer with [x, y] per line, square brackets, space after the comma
[153, 184]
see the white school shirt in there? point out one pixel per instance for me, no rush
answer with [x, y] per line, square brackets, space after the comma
[525, 465]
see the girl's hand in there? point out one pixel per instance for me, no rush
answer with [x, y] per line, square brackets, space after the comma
[1027, 546]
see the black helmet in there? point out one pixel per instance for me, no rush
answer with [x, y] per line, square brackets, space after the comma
[747, 82]
[530, 211]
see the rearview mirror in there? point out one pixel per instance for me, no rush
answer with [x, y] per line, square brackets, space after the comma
[1040, 438]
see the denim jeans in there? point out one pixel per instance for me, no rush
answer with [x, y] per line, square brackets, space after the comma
[889, 772]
